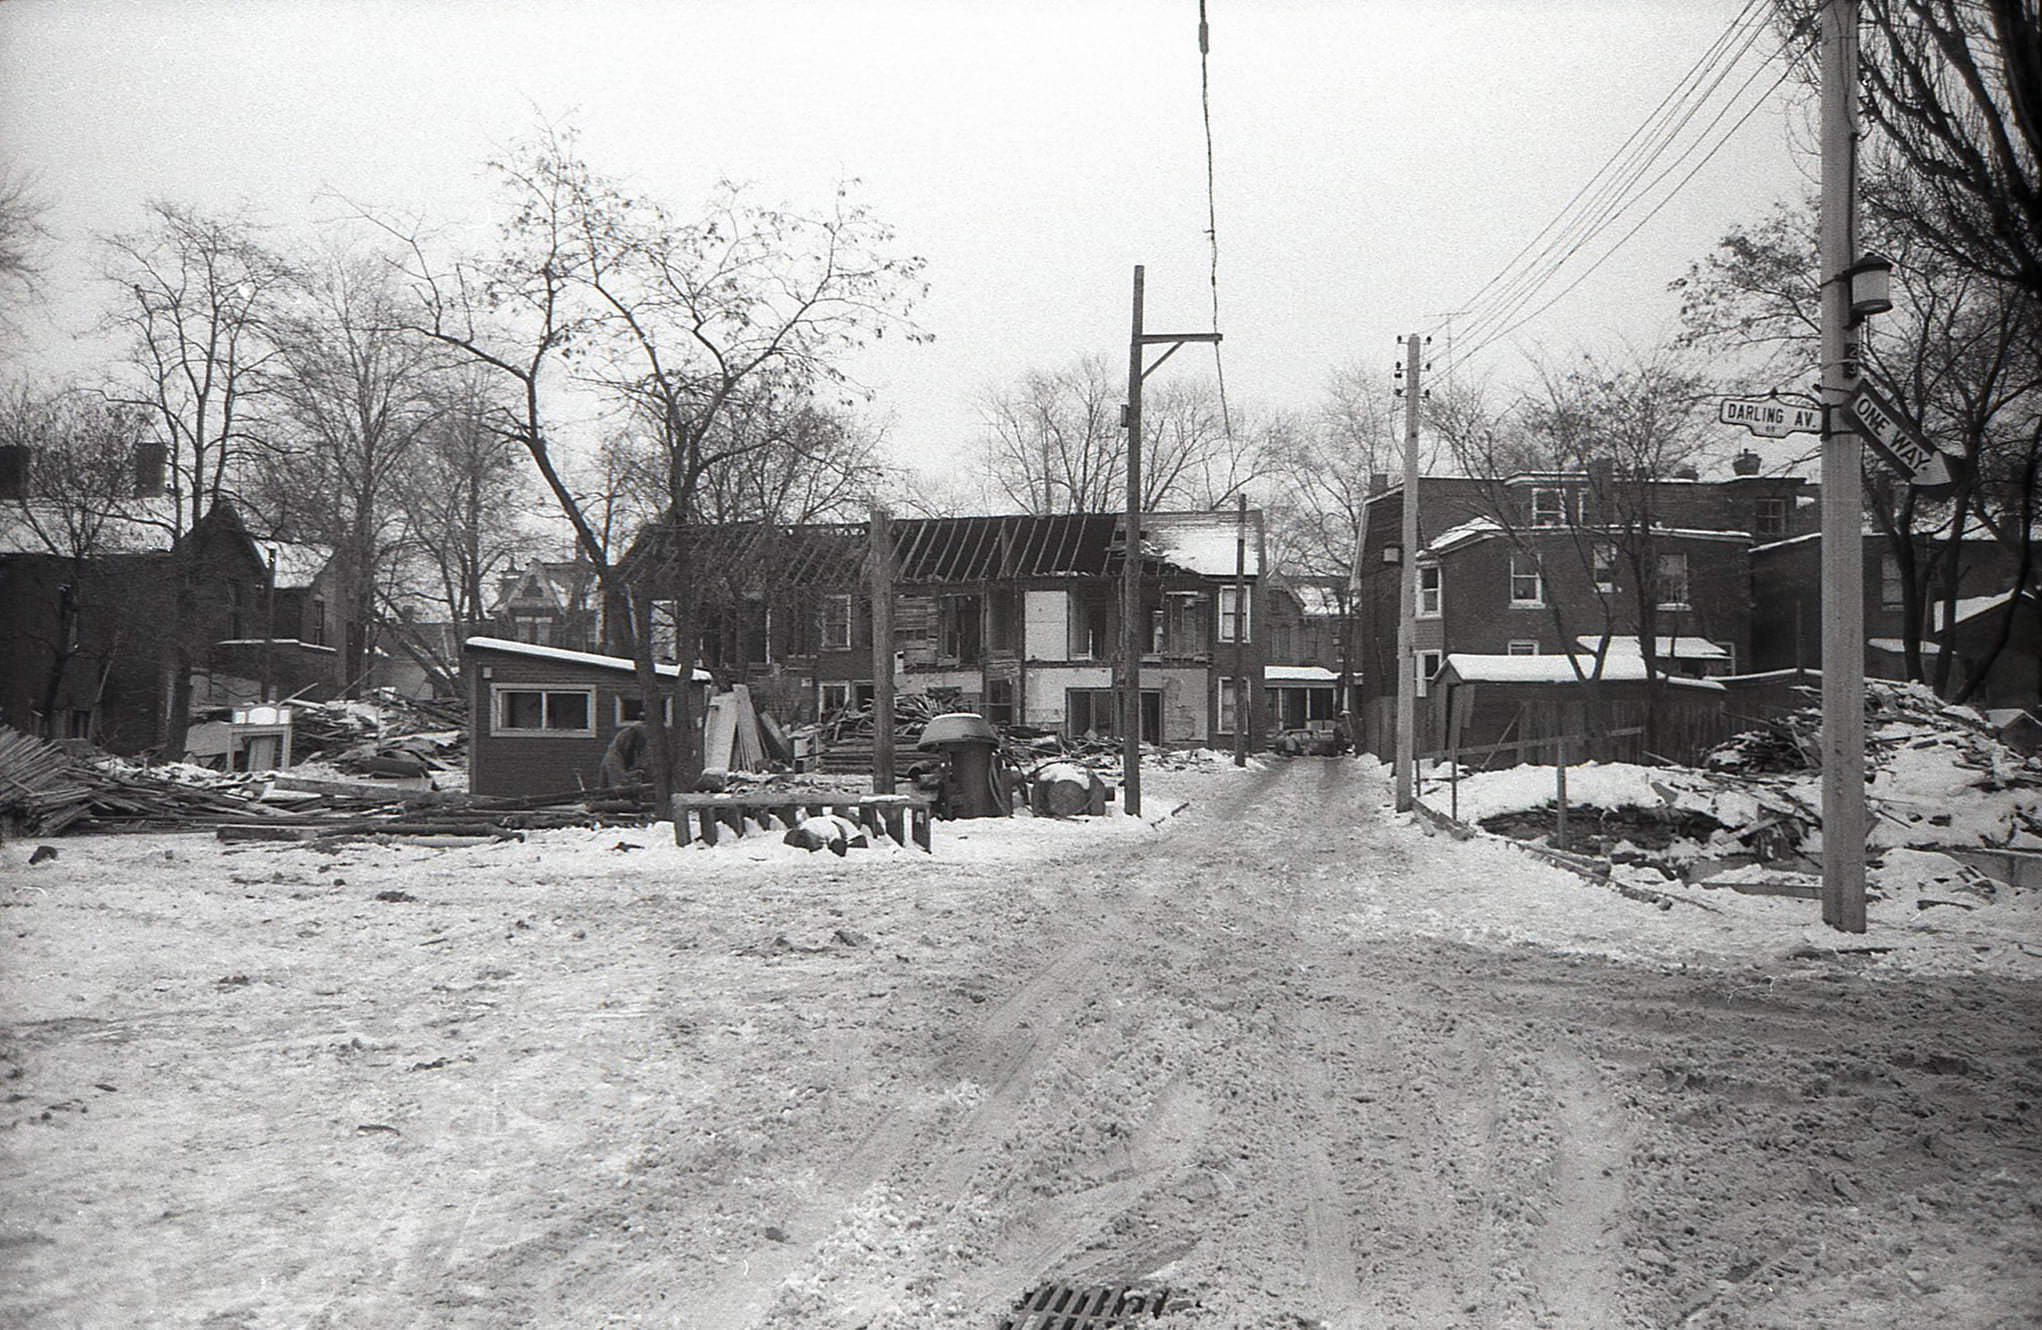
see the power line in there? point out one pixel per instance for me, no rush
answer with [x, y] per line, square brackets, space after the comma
[1212, 225]
[1622, 184]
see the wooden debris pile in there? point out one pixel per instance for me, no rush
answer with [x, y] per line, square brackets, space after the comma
[387, 734]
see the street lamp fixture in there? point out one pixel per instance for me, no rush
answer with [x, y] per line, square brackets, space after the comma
[1871, 286]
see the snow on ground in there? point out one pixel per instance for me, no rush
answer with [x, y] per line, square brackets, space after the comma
[1925, 911]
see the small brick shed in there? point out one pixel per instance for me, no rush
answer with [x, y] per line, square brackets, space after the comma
[541, 718]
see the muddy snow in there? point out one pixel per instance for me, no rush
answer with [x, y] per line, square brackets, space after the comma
[1295, 1058]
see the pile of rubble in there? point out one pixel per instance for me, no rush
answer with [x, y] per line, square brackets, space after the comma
[384, 734]
[1940, 778]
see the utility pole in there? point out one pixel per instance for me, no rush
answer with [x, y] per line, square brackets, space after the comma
[881, 559]
[1407, 620]
[1241, 693]
[1131, 548]
[1843, 544]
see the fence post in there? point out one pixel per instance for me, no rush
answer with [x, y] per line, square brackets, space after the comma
[1560, 791]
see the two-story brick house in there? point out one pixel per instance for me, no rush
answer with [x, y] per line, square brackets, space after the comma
[1579, 563]
[1016, 616]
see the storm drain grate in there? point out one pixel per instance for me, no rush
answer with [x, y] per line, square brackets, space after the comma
[1068, 1307]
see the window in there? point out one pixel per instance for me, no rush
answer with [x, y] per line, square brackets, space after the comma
[1087, 630]
[1549, 507]
[1428, 665]
[1527, 585]
[631, 707]
[562, 713]
[1523, 646]
[836, 623]
[1229, 695]
[535, 628]
[1236, 617]
[1605, 570]
[318, 624]
[78, 723]
[1892, 590]
[1672, 582]
[1189, 613]
[1769, 517]
[834, 696]
[1429, 582]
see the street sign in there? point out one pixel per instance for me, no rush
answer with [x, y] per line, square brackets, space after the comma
[1770, 417]
[1896, 439]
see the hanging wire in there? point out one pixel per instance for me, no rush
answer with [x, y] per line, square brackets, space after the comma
[1212, 225]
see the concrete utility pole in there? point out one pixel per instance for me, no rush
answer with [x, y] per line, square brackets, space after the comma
[880, 557]
[1407, 620]
[1131, 562]
[1843, 544]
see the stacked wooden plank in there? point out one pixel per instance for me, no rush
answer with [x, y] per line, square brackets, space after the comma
[43, 789]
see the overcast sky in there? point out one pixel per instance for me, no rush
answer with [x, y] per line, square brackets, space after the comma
[1375, 164]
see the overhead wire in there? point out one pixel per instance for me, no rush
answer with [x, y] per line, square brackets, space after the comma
[1601, 183]
[1212, 226]
[1626, 181]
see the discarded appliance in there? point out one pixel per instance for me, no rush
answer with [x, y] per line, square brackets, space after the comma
[1065, 789]
[974, 781]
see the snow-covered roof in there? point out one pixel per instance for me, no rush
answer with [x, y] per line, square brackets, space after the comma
[1471, 668]
[587, 659]
[296, 564]
[138, 531]
[1970, 607]
[1666, 648]
[1315, 600]
[1298, 674]
[1898, 645]
[1205, 543]
[1475, 529]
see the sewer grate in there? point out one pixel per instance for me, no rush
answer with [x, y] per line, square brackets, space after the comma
[1069, 1307]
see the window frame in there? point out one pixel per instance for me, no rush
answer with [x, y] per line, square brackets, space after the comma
[1892, 584]
[1559, 518]
[1530, 644]
[498, 692]
[1236, 624]
[826, 640]
[1438, 591]
[1661, 582]
[1537, 574]
[666, 709]
[1602, 568]
[1429, 663]
[1769, 515]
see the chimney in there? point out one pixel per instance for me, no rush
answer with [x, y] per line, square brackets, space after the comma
[1378, 482]
[149, 459]
[1746, 463]
[14, 471]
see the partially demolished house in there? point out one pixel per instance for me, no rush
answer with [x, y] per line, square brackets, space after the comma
[1015, 616]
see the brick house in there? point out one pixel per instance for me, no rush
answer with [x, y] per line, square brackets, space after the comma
[1014, 616]
[1560, 563]
[549, 603]
[89, 633]
[1786, 578]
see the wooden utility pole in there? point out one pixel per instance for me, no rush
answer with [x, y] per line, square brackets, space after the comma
[1131, 549]
[880, 557]
[1843, 543]
[1407, 619]
[1242, 711]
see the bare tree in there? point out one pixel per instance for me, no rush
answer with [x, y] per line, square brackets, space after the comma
[1053, 443]
[22, 234]
[1959, 350]
[355, 396]
[198, 295]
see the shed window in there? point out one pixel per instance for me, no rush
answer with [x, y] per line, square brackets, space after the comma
[1524, 646]
[631, 707]
[563, 713]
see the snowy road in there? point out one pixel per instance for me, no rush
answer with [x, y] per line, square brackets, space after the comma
[1281, 1054]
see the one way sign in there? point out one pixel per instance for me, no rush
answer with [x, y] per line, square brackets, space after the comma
[1894, 437]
